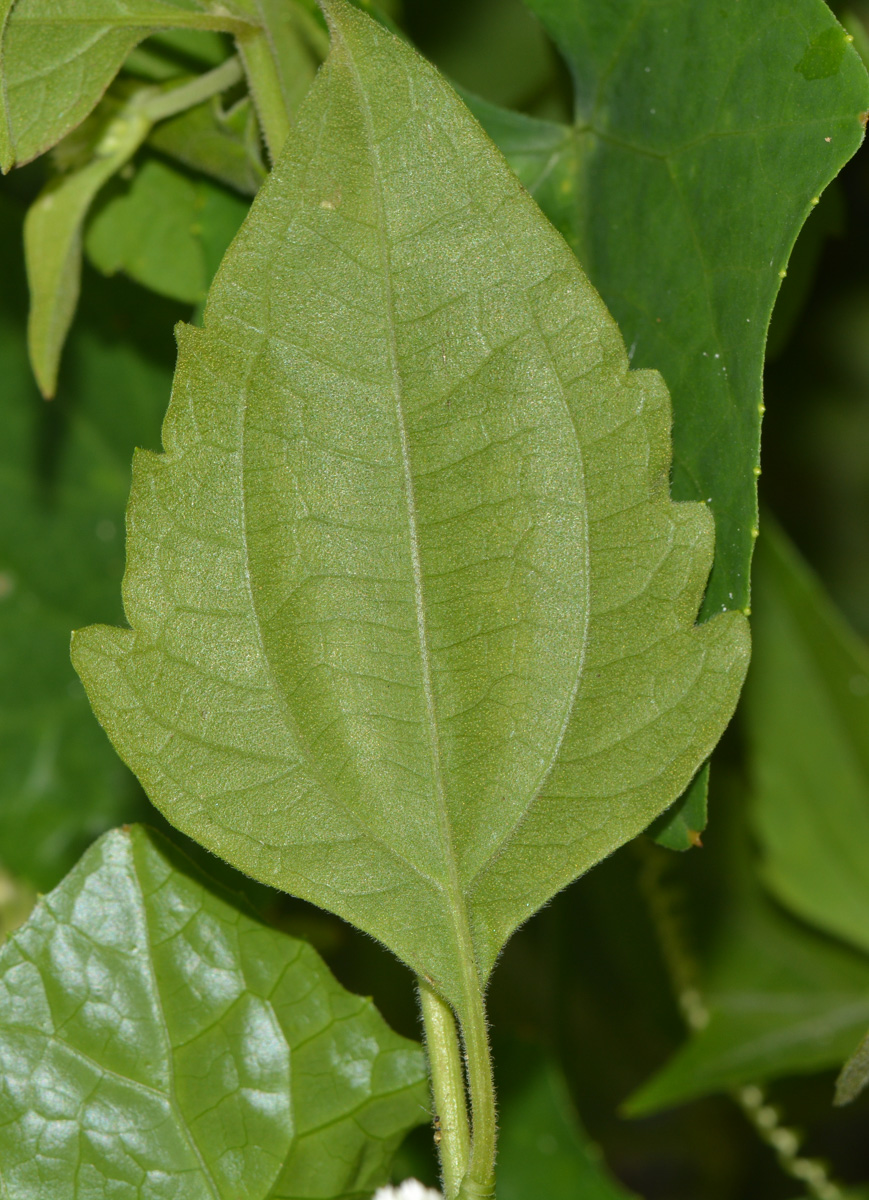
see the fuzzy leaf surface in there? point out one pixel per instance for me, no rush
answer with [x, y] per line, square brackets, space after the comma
[152, 1030]
[807, 710]
[412, 611]
[703, 134]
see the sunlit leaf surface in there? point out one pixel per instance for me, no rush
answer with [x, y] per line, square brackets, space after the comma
[154, 1036]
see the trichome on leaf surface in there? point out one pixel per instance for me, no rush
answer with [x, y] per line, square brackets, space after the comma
[419, 619]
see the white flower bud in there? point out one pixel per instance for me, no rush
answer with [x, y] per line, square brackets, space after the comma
[411, 1189]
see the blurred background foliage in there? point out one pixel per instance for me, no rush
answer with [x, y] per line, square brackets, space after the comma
[692, 1010]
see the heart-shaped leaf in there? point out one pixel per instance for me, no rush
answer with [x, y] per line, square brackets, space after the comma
[413, 613]
[153, 1032]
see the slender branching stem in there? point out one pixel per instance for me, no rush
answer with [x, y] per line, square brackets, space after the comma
[266, 90]
[479, 1182]
[448, 1088]
[203, 87]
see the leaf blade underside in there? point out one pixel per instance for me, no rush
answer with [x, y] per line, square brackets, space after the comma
[411, 544]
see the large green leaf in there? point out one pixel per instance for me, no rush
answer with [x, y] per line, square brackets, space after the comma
[782, 1000]
[152, 1033]
[704, 135]
[166, 230]
[412, 611]
[59, 56]
[807, 711]
[64, 479]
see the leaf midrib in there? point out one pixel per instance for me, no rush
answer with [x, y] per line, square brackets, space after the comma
[453, 890]
[364, 832]
[456, 888]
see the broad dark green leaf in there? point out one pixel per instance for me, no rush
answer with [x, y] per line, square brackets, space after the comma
[704, 135]
[544, 1151]
[53, 237]
[222, 144]
[783, 1000]
[807, 710]
[154, 1035]
[64, 480]
[166, 230]
[412, 611]
[854, 1076]
[59, 56]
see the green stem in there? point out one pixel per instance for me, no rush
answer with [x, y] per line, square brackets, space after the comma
[448, 1087]
[266, 89]
[479, 1183]
[188, 95]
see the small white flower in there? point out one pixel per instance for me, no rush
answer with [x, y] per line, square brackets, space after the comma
[411, 1189]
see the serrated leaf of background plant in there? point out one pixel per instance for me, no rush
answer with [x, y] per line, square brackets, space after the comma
[703, 135]
[59, 56]
[783, 1000]
[164, 229]
[412, 609]
[64, 480]
[153, 1030]
[807, 719]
